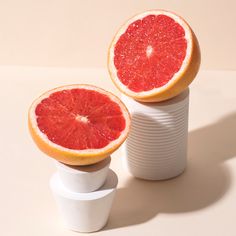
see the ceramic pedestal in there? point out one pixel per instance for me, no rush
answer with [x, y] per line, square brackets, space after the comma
[84, 195]
[156, 148]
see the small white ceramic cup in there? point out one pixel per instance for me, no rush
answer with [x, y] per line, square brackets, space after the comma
[85, 212]
[83, 179]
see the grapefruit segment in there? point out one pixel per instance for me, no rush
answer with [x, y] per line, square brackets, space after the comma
[78, 124]
[154, 56]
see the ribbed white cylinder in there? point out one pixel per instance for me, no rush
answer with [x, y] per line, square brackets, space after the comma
[156, 148]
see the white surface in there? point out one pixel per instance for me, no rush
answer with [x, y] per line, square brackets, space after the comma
[85, 212]
[199, 202]
[83, 179]
[156, 148]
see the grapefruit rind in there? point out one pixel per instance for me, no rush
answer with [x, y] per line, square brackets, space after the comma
[179, 82]
[70, 156]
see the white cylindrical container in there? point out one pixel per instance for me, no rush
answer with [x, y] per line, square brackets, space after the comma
[156, 148]
[83, 179]
[85, 212]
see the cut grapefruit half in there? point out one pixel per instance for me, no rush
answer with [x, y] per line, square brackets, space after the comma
[154, 56]
[78, 124]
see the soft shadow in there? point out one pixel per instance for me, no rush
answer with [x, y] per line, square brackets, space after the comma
[204, 182]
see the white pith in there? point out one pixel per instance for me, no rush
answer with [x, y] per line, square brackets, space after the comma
[113, 70]
[149, 51]
[117, 142]
[80, 118]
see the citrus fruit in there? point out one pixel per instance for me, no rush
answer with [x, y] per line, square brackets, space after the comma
[154, 56]
[78, 124]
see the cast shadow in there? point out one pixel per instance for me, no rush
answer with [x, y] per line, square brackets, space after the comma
[204, 182]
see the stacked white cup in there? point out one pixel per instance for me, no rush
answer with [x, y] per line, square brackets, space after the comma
[156, 148]
[84, 194]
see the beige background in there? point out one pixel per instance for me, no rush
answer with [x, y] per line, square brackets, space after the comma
[77, 33]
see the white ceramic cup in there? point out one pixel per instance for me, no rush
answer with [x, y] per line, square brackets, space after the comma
[156, 147]
[83, 179]
[85, 212]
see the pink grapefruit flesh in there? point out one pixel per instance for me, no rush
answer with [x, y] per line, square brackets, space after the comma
[154, 56]
[80, 120]
[144, 63]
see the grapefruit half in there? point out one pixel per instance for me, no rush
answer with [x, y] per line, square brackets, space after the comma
[154, 56]
[78, 124]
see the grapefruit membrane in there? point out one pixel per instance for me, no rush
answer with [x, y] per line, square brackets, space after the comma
[154, 56]
[78, 124]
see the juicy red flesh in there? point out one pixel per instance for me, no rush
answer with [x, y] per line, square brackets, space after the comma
[80, 119]
[150, 52]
